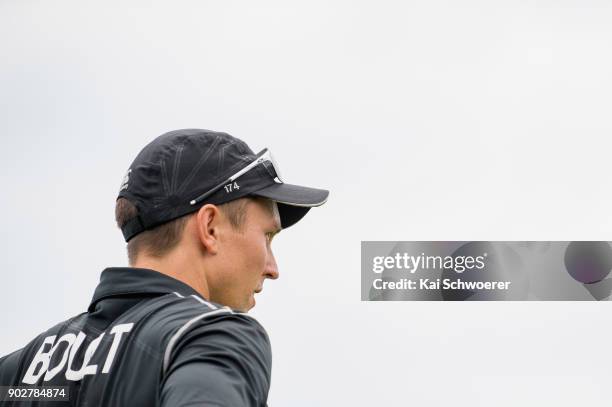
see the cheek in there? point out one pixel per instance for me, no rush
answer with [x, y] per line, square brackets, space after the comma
[250, 257]
[258, 253]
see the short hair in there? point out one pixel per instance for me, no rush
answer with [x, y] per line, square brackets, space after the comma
[161, 239]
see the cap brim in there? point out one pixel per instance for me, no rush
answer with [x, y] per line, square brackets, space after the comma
[293, 201]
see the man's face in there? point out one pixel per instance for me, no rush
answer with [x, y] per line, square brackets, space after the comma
[245, 257]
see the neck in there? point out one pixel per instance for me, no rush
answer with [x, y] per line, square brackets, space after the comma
[179, 265]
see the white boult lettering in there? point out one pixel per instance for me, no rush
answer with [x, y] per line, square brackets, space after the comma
[118, 331]
[73, 342]
[85, 368]
[41, 358]
[69, 339]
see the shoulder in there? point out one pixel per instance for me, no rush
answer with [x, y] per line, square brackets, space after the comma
[221, 359]
[183, 328]
[234, 327]
[9, 366]
[221, 331]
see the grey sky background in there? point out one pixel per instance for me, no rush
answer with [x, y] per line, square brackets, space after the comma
[427, 120]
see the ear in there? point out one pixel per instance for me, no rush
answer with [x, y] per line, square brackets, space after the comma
[208, 218]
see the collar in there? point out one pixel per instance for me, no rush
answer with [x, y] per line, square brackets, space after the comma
[115, 281]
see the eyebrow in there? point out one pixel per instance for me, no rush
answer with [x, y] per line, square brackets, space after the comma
[277, 225]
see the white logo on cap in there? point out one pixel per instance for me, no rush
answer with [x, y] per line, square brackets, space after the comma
[231, 187]
[126, 179]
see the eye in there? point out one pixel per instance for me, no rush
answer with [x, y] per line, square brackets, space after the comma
[270, 236]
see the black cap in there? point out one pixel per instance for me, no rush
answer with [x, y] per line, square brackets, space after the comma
[179, 166]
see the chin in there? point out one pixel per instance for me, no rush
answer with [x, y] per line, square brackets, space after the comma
[244, 306]
[251, 303]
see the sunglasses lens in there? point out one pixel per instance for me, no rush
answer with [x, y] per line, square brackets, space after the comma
[269, 166]
[275, 167]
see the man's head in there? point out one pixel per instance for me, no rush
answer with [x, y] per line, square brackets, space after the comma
[202, 207]
[239, 256]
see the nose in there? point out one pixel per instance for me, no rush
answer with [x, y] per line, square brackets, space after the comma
[271, 270]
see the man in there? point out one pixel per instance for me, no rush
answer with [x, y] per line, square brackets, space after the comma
[198, 210]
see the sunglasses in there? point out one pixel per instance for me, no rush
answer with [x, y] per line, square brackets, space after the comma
[264, 157]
